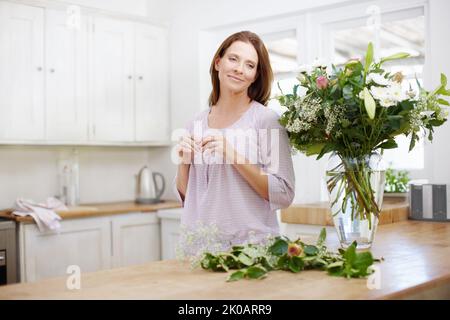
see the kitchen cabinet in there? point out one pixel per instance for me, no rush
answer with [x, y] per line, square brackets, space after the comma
[135, 239]
[113, 80]
[66, 78]
[170, 232]
[93, 244]
[82, 242]
[21, 72]
[130, 91]
[151, 78]
[104, 81]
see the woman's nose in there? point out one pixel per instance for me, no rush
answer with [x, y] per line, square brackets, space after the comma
[238, 68]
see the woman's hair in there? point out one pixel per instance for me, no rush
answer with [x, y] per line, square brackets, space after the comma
[260, 88]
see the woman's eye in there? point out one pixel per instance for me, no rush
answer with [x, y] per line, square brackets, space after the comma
[232, 58]
[250, 66]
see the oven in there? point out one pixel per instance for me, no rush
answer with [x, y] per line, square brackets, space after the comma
[8, 252]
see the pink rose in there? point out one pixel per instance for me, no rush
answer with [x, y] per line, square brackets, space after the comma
[322, 82]
[294, 250]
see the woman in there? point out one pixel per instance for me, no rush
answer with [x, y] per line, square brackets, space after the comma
[236, 192]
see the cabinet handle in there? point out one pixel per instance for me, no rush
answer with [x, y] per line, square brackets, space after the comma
[141, 77]
[130, 77]
[39, 68]
[52, 70]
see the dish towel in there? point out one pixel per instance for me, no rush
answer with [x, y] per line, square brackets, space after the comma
[43, 213]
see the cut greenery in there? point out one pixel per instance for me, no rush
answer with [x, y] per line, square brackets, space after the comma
[253, 261]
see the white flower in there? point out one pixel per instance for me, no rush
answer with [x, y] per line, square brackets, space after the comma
[378, 79]
[387, 102]
[396, 92]
[427, 113]
[361, 94]
[379, 92]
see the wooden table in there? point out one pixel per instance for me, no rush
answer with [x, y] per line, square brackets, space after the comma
[417, 264]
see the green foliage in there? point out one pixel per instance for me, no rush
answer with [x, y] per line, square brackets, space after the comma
[253, 261]
[396, 181]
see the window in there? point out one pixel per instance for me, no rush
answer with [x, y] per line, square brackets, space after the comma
[395, 32]
[283, 51]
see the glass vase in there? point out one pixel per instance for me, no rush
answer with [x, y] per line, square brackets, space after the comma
[356, 187]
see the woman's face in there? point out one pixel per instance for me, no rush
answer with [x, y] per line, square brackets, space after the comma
[237, 68]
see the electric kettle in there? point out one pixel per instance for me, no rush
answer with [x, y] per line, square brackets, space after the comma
[147, 190]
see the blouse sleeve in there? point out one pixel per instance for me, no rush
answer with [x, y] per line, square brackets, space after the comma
[276, 160]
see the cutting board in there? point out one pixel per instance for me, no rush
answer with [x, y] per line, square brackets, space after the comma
[319, 213]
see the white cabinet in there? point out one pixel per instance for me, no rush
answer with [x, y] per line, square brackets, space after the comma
[82, 242]
[136, 239]
[103, 82]
[66, 78]
[113, 80]
[130, 82]
[152, 116]
[170, 232]
[93, 244]
[21, 72]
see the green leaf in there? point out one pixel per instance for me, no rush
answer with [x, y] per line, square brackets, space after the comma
[350, 253]
[311, 250]
[362, 261]
[443, 102]
[322, 237]
[443, 80]
[347, 92]
[238, 275]
[243, 258]
[337, 264]
[400, 55]
[251, 252]
[314, 149]
[296, 264]
[390, 144]
[279, 247]
[256, 272]
[369, 103]
[369, 57]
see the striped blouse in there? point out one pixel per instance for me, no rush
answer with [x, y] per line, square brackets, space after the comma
[220, 208]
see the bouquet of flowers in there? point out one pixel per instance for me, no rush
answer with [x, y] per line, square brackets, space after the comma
[354, 111]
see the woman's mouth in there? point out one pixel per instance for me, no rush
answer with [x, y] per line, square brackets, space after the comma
[235, 78]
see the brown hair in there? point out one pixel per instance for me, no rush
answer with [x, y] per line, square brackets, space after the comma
[260, 88]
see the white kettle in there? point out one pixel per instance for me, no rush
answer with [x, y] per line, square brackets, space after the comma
[147, 190]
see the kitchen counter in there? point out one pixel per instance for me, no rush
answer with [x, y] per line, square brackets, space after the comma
[417, 265]
[99, 209]
[393, 210]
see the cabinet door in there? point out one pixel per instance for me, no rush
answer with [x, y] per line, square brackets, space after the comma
[82, 242]
[152, 108]
[66, 75]
[135, 238]
[21, 72]
[170, 232]
[113, 80]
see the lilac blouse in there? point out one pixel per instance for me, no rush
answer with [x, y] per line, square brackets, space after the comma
[219, 203]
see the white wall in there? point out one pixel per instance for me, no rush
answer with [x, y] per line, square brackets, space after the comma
[106, 173]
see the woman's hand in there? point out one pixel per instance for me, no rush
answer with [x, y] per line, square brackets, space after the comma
[219, 146]
[186, 149]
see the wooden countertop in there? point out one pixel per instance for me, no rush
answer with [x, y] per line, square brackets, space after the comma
[99, 209]
[393, 210]
[416, 262]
